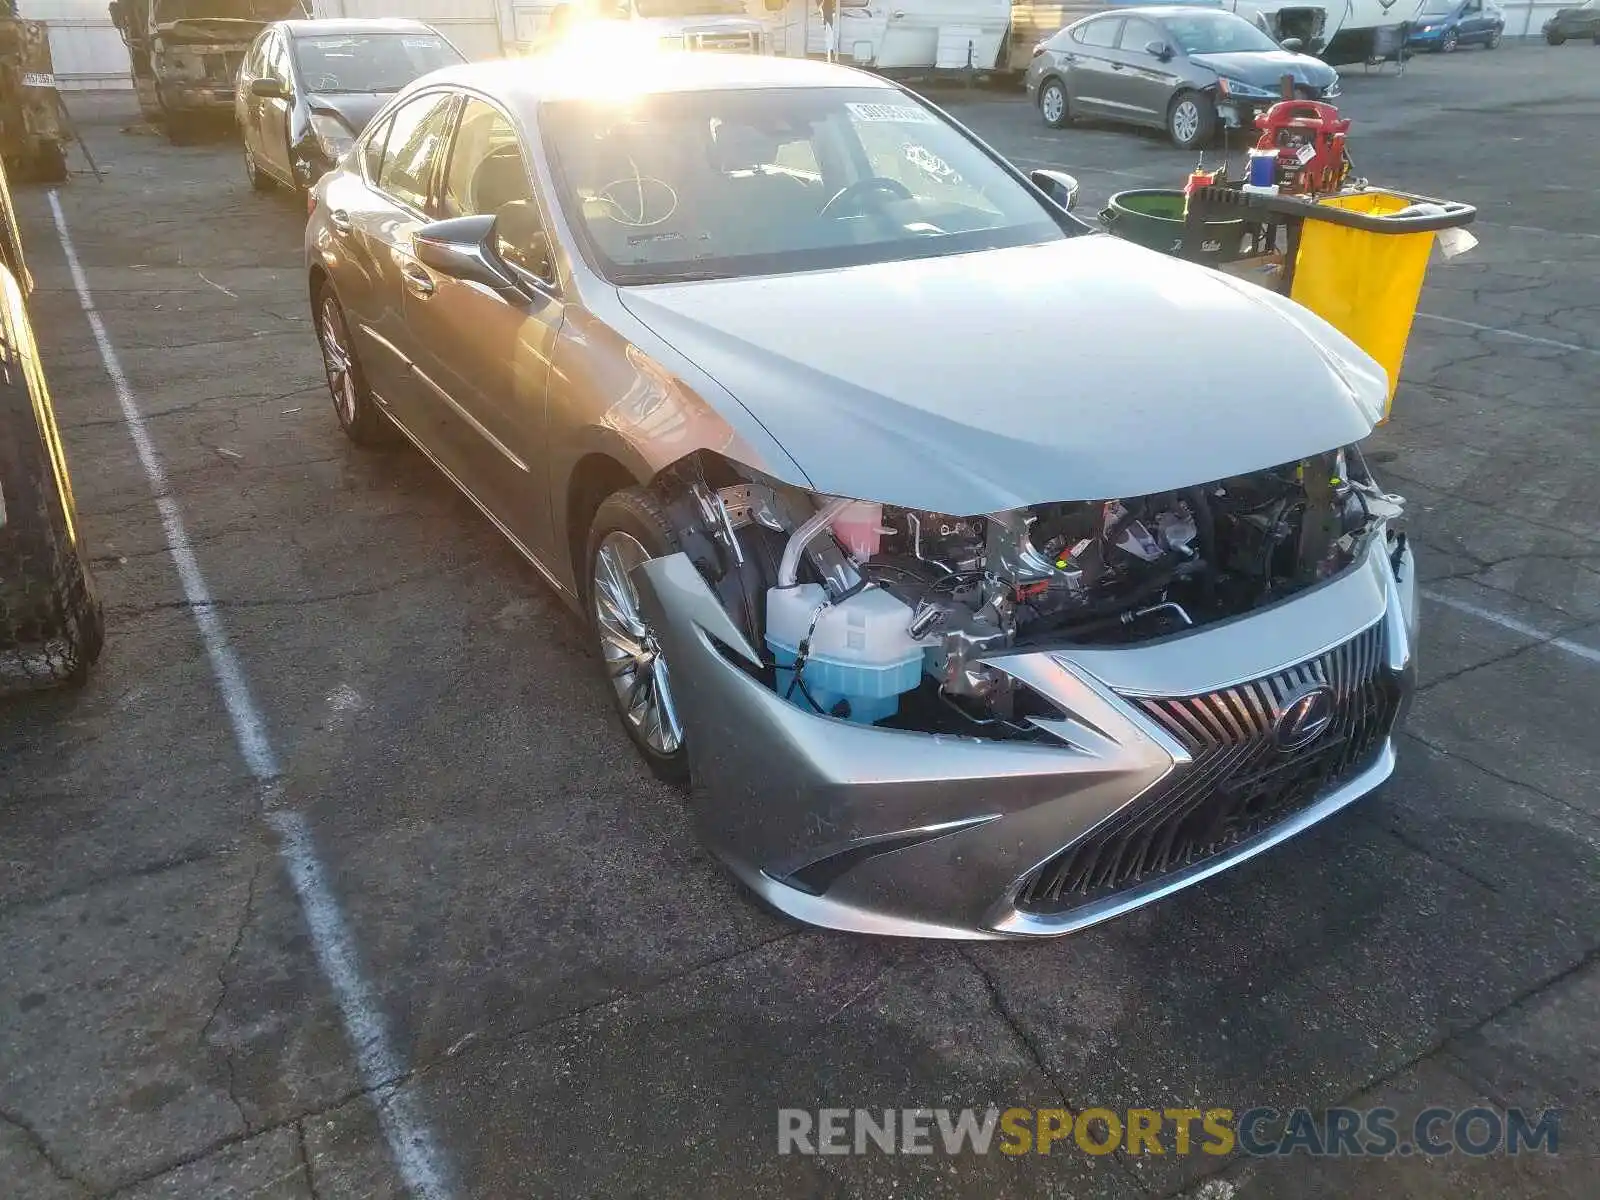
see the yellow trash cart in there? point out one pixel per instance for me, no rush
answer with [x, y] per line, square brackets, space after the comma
[1356, 258]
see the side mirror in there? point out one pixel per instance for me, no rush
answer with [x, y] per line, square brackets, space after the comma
[269, 89]
[1158, 50]
[1292, 45]
[1058, 185]
[459, 248]
[520, 238]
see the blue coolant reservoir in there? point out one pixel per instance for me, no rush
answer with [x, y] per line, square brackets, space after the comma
[860, 650]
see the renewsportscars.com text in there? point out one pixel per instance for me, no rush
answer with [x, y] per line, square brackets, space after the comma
[1334, 1132]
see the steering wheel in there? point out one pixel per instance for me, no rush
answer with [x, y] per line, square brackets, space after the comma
[860, 190]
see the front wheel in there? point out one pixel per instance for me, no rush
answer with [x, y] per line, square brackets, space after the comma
[630, 528]
[1496, 36]
[1451, 40]
[1554, 38]
[1191, 120]
[1053, 104]
[260, 181]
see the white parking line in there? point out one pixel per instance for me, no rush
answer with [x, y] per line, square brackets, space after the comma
[411, 1142]
[1576, 649]
[1511, 333]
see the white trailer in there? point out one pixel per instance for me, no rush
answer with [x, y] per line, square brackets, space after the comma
[1366, 30]
[895, 36]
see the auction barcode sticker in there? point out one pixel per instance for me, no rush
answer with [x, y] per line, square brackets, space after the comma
[905, 114]
[38, 79]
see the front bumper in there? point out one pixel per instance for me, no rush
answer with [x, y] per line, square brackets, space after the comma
[887, 831]
[1426, 37]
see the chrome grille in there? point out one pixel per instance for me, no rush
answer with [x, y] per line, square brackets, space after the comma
[1239, 782]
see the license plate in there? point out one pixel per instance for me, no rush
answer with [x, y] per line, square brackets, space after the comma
[38, 79]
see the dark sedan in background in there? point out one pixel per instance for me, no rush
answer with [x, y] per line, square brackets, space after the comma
[1444, 25]
[308, 88]
[1582, 21]
[1185, 70]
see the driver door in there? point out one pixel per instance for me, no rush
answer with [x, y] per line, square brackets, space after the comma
[482, 357]
[272, 114]
[1144, 85]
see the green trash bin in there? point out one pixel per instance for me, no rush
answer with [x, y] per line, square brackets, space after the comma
[1153, 217]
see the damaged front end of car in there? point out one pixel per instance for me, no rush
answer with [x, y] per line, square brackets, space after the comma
[1025, 722]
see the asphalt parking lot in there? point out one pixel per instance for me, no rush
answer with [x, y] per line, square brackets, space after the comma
[538, 984]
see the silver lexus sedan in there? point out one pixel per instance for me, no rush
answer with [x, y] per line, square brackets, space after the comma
[985, 575]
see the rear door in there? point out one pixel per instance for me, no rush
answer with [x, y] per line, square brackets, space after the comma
[1090, 77]
[1142, 83]
[483, 356]
[379, 223]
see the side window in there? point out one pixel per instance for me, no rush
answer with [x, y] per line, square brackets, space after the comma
[1101, 33]
[372, 151]
[416, 142]
[1137, 34]
[277, 60]
[252, 60]
[486, 169]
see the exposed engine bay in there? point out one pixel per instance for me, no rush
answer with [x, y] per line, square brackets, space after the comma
[874, 613]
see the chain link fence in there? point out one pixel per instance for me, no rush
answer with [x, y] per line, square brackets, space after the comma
[51, 628]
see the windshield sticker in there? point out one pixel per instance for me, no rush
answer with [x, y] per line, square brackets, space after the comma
[420, 43]
[930, 163]
[899, 114]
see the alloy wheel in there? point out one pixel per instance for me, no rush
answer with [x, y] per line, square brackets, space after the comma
[336, 361]
[1185, 121]
[1450, 42]
[1053, 103]
[634, 662]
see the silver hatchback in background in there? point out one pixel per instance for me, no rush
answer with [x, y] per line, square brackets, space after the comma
[1185, 70]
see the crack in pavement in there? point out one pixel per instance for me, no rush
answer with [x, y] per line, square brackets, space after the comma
[1495, 774]
[40, 1147]
[1002, 1009]
[225, 981]
[305, 1159]
[1441, 1048]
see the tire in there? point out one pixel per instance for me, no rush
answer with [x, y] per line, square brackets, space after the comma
[180, 129]
[358, 411]
[1448, 44]
[629, 528]
[52, 627]
[260, 181]
[1496, 36]
[1554, 38]
[1053, 99]
[50, 163]
[1191, 120]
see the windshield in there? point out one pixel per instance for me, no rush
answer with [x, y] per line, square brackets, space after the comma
[689, 8]
[743, 182]
[1216, 33]
[1438, 8]
[370, 62]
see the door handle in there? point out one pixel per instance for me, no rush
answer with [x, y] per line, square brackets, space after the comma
[418, 281]
[340, 220]
[1116, 66]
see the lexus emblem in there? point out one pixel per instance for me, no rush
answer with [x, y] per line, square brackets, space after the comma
[1306, 715]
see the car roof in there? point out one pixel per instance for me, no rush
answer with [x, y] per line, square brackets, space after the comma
[1155, 12]
[562, 75]
[353, 25]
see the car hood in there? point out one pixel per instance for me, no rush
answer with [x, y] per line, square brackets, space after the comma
[355, 109]
[1077, 370]
[211, 29]
[1264, 68]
